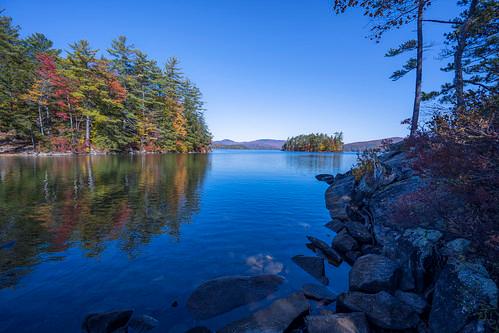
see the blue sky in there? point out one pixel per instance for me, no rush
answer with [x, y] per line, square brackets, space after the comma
[267, 68]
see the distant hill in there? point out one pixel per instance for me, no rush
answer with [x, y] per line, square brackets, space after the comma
[364, 145]
[257, 144]
[270, 144]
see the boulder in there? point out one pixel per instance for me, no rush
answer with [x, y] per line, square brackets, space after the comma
[461, 289]
[359, 232]
[324, 177]
[275, 318]
[369, 249]
[456, 247]
[107, 322]
[338, 197]
[221, 295]
[319, 293]
[336, 225]
[143, 323]
[381, 175]
[476, 326]
[351, 256]
[355, 322]
[372, 273]
[328, 252]
[413, 300]
[313, 265]
[382, 309]
[343, 242]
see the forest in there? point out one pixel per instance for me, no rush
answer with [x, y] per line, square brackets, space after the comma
[86, 101]
[315, 142]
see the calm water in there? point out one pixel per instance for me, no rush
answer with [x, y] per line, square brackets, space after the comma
[90, 234]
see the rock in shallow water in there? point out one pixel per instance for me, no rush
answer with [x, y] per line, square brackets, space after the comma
[143, 323]
[221, 295]
[324, 177]
[338, 197]
[338, 323]
[199, 329]
[319, 293]
[312, 265]
[372, 273]
[344, 242]
[107, 322]
[331, 255]
[275, 318]
[460, 290]
[382, 309]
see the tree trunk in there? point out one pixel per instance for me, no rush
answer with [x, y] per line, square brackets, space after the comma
[458, 55]
[40, 119]
[419, 70]
[87, 134]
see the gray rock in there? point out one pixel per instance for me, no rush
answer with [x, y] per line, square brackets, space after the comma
[312, 265]
[413, 300]
[336, 225]
[199, 329]
[359, 232]
[355, 322]
[324, 177]
[343, 242]
[369, 249]
[276, 318]
[382, 309]
[372, 273]
[456, 247]
[143, 323]
[338, 197]
[351, 256]
[221, 295]
[329, 253]
[460, 290]
[381, 175]
[319, 293]
[107, 322]
[476, 326]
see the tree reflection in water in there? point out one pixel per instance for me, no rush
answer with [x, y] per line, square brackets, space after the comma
[50, 204]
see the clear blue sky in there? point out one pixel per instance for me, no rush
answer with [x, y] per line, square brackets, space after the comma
[267, 68]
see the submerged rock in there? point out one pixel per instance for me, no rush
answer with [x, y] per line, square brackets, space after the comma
[318, 293]
[382, 309]
[221, 295]
[331, 255]
[355, 322]
[313, 265]
[461, 289]
[199, 329]
[107, 322]
[343, 242]
[359, 232]
[324, 177]
[275, 318]
[143, 323]
[372, 273]
[338, 197]
[413, 300]
[336, 225]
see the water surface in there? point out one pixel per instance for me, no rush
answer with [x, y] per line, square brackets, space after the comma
[97, 233]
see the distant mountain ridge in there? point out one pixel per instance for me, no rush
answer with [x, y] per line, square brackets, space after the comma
[272, 144]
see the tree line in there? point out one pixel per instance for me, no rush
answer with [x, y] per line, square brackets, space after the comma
[83, 102]
[315, 142]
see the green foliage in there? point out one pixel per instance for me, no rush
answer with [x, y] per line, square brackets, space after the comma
[90, 103]
[315, 142]
[365, 164]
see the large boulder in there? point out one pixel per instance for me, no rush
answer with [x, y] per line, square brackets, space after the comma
[343, 242]
[275, 318]
[339, 196]
[359, 232]
[324, 177]
[319, 293]
[313, 265]
[107, 322]
[461, 289]
[382, 309]
[221, 295]
[372, 273]
[355, 322]
[457, 247]
[143, 323]
[331, 255]
[413, 300]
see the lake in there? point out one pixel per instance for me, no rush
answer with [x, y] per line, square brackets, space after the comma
[98, 233]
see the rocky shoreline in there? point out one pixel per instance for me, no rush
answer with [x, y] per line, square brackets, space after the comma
[404, 278]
